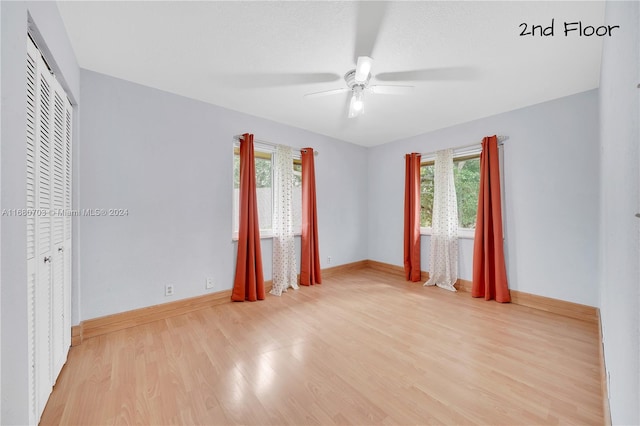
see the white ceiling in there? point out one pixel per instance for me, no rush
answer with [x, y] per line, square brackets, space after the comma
[262, 57]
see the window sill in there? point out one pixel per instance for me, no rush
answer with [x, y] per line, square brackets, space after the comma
[465, 234]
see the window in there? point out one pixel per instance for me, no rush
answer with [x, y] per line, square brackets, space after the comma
[466, 175]
[297, 195]
[264, 191]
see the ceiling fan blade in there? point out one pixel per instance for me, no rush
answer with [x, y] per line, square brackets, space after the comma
[370, 15]
[326, 93]
[265, 80]
[363, 68]
[430, 74]
[391, 90]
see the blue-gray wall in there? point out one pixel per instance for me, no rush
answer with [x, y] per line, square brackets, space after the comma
[620, 201]
[168, 160]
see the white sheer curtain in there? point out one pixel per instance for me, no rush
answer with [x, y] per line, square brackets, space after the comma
[284, 255]
[443, 261]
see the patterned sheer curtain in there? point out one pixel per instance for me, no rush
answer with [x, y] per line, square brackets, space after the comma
[443, 262]
[284, 255]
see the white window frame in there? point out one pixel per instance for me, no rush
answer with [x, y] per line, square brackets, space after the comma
[467, 233]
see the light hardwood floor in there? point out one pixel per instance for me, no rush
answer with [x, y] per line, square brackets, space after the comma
[365, 347]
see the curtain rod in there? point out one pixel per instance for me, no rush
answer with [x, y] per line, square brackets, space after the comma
[238, 137]
[501, 140]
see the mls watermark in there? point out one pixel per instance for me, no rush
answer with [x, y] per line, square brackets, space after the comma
[64, 212]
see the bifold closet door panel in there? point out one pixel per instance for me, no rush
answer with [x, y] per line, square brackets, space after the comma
[44, 147]
[67, 224]
[32, 105]
[57, 232]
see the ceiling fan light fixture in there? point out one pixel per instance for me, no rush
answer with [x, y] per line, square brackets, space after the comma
[356, 106]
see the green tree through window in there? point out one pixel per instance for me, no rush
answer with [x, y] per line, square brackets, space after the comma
[426, 194]
[466, 175]
[263, 169]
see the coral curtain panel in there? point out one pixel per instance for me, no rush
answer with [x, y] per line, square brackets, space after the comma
[249, 280]
[412, 217]
[489, 271]
[310, 256]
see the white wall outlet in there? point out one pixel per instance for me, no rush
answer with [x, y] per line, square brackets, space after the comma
[329, 260]
[168, 290]
[210, 283]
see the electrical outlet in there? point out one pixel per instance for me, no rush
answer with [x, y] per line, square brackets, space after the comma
[168, 290]
[210, 283]
[329, 260]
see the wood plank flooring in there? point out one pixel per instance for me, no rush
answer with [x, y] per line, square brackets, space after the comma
[363, 348]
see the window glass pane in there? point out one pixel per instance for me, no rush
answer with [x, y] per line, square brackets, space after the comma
[236, 189]
[466, 174]
[297, 196]
[263, 190]
[426, 195]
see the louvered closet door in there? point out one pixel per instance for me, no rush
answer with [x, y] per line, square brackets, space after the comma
[61, 229]
[48, 229]
[68, 114]
[43, 239]
[57, 232]
[32, 96]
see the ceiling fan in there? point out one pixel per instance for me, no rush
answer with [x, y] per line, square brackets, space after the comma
[357, 82]
[369, 21]
[370, 17]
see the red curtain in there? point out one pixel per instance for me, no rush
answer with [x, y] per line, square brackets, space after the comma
[249, 281]
[489, 271]
[310, 256]
[412, 217]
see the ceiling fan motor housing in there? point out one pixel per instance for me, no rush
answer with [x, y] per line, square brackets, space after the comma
[350, 79]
